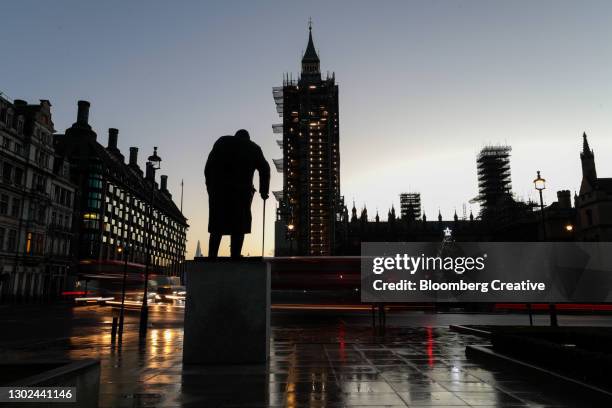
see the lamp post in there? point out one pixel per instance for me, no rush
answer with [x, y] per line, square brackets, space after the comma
[125, 253]
[126, 256]
[154, 162]
[540, 185]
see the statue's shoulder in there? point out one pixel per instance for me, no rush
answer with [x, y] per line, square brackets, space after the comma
[254, 145]
[222, 142]
[224, 139]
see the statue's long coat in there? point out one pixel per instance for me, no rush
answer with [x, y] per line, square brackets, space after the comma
[229, 180]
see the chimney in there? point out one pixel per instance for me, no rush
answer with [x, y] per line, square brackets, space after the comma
[83, 113]
[150, 172]
[564, 199]
[164, 183]
[113, 135]
[134, 156]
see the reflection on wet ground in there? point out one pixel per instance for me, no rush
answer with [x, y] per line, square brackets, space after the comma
[315, 362]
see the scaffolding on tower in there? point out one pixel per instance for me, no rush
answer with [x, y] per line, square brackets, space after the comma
[494, 180]
[410, 206]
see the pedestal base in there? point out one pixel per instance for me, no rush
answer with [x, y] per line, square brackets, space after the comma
[227, 312]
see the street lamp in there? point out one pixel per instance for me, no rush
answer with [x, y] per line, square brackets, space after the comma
[125, 253]
[154, 162]
[540, 185]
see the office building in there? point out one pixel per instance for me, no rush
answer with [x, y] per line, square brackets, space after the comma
[36, 205]
[120, 207]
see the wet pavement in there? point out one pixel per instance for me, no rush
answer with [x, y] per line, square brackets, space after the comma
[317, 360]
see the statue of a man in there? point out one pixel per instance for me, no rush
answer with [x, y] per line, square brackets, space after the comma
[229, 181]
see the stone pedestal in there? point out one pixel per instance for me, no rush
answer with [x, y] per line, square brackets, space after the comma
[227, 312]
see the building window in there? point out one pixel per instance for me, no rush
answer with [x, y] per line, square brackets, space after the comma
[16, 207]
[18, 177]
[94, 200]
[39, 243]
[95, 181]
[39, 183]
[41, 214]
[4, 203]
[42, 158]
[7, 170]
[29, 243]
[2, 234]
[11, 243]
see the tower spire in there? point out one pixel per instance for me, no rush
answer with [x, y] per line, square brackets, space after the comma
[586, 150]
[587, 157]
[310, 59]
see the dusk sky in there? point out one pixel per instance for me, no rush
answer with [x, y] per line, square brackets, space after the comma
[423, 86]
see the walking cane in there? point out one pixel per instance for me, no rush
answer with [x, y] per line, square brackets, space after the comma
[263, 232]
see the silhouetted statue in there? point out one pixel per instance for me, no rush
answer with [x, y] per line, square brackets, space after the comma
[229, 180]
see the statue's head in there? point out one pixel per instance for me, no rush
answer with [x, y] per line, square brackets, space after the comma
[243, 134]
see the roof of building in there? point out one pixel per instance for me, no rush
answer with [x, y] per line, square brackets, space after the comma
[77, 146]
[311, 54]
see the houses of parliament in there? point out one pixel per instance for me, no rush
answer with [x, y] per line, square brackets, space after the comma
[312, 218]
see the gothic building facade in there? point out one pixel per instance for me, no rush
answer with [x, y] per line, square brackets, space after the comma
[593, 201]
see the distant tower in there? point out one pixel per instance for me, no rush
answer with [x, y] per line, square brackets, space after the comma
[494, 184]
[198, 252]
[587, 157]
[310, 200]
[410, 206]
[364, 214]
